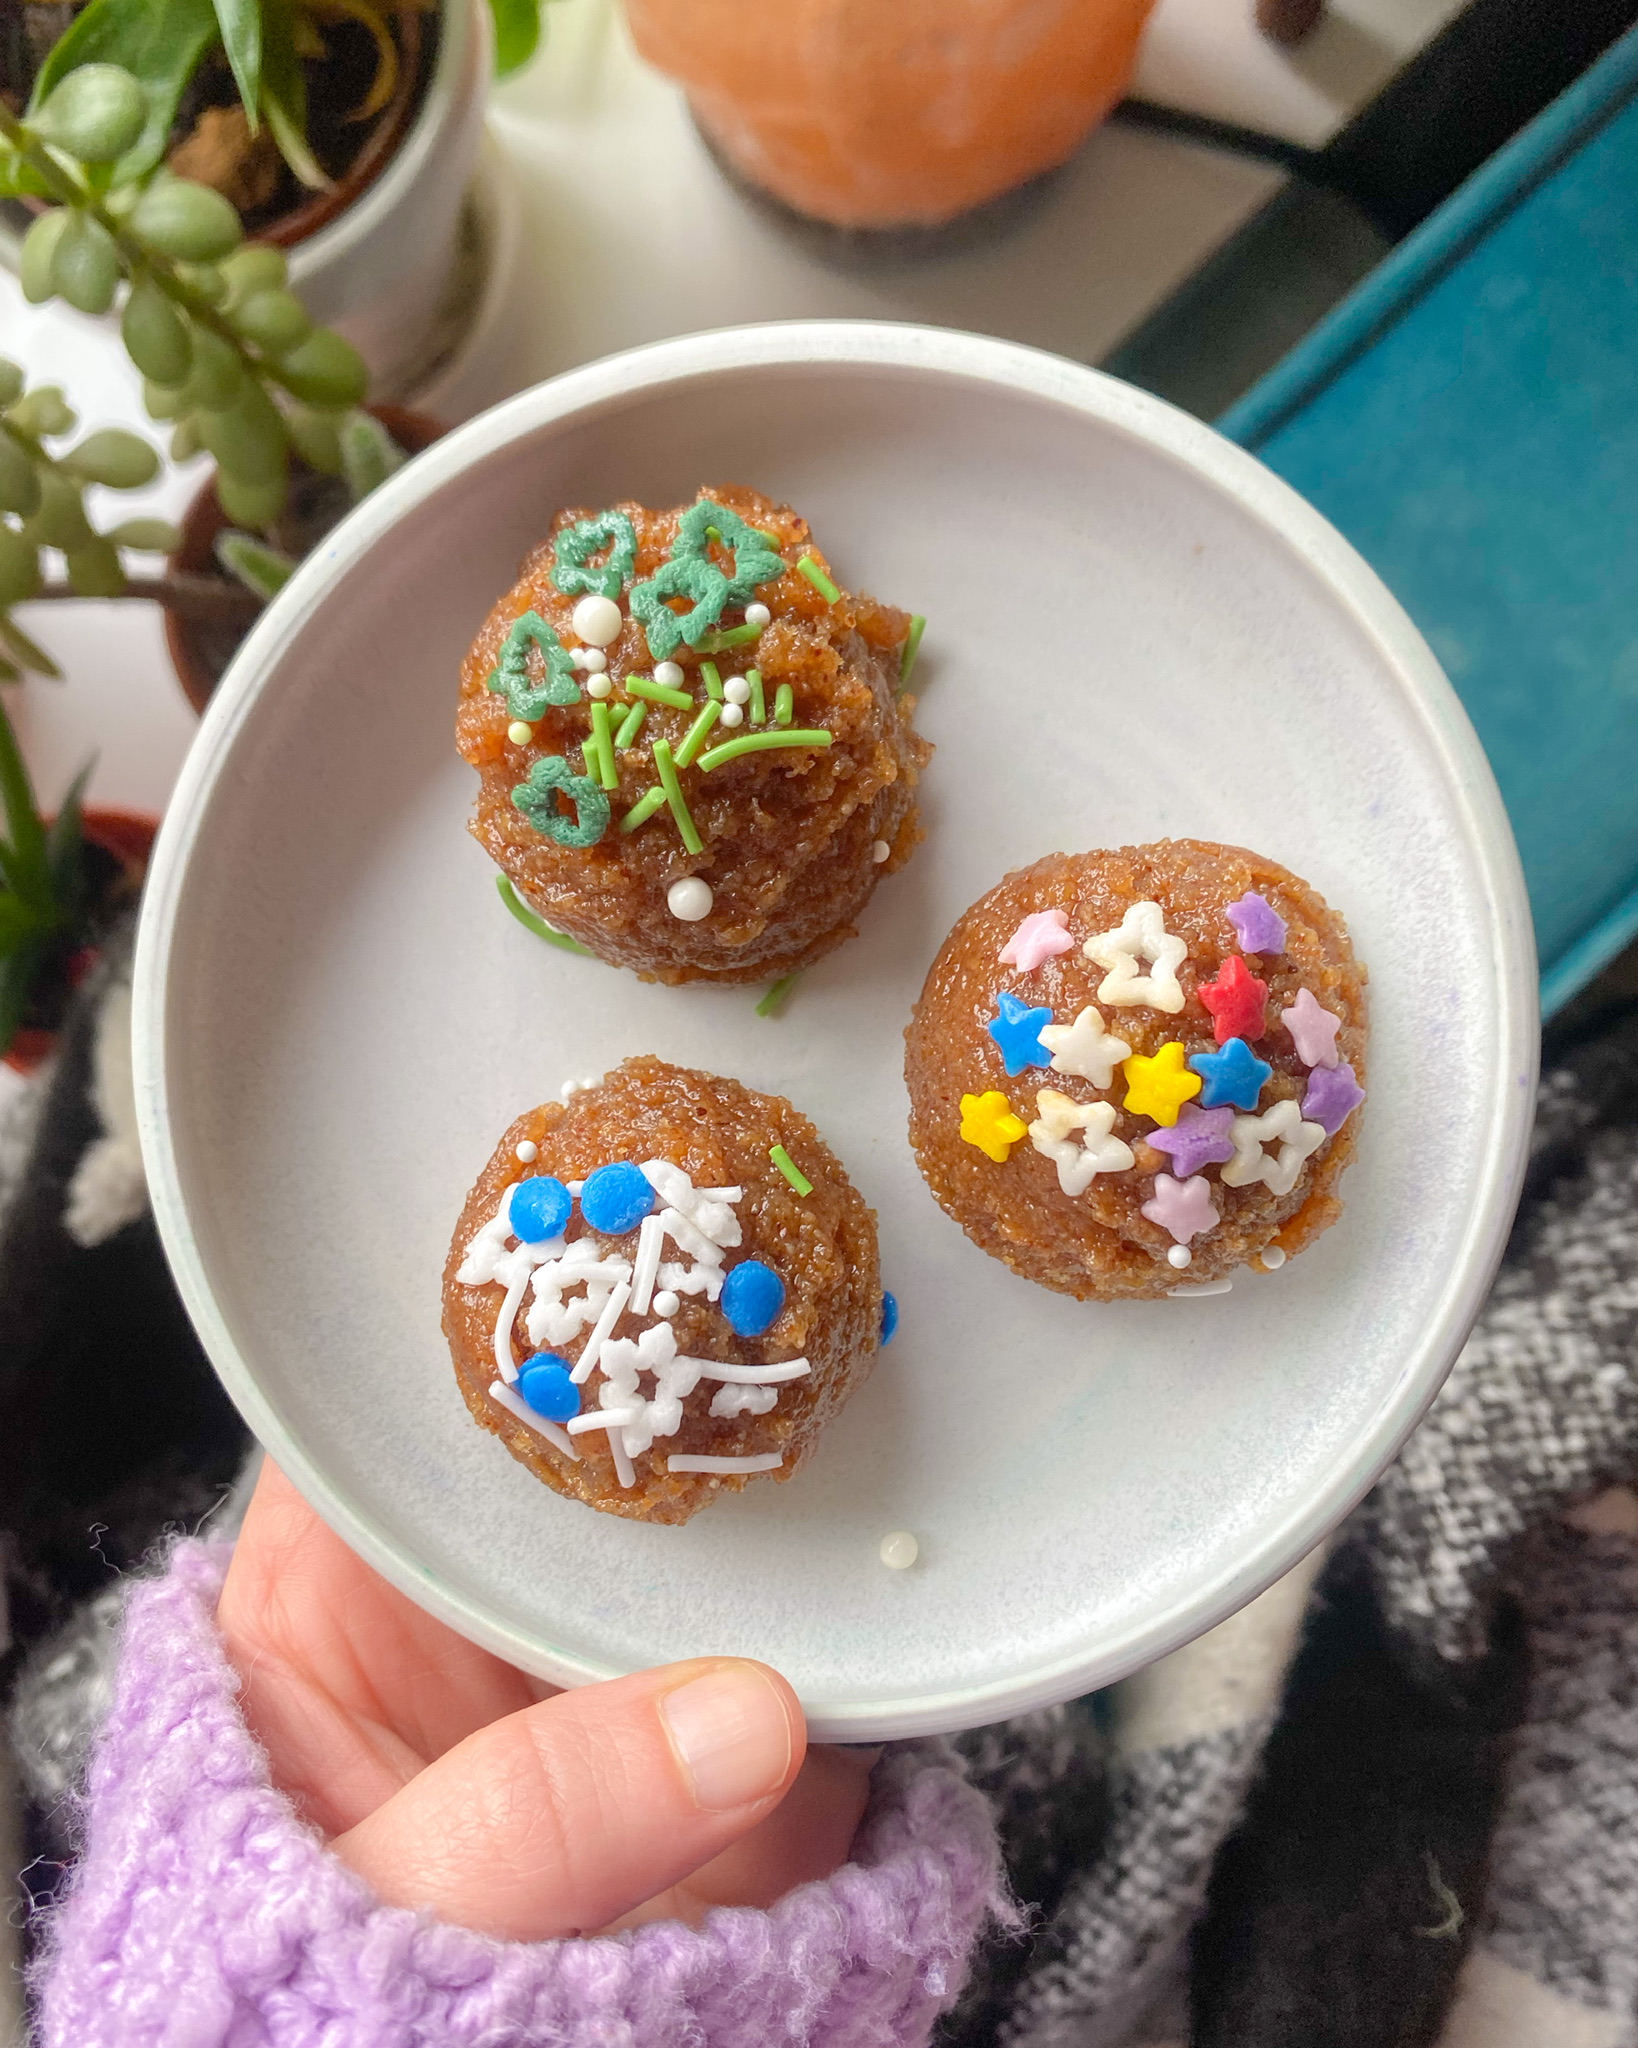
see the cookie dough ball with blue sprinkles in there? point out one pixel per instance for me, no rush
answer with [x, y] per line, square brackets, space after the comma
[694, 747]
[661, 1290]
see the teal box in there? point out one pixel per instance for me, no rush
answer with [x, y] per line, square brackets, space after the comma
[1469, 419]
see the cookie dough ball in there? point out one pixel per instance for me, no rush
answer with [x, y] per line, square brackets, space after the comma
[644, 1305]
[693, 752]
[1137, 1070]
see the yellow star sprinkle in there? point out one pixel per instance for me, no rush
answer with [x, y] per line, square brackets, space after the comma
[987, 1121]
[1159, 1087]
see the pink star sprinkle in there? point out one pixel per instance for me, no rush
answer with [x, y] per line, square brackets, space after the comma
[1040, 937]
[1184, 1207]
[1313, 1031]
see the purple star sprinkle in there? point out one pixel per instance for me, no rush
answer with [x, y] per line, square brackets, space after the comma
[1198, 1138]
[1260, 927]
[1333, 1096]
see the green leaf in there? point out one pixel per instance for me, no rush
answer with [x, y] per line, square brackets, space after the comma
[111, 456]
[43, 412]
[240, 24]
[160, 42]
[517, 33]
[29, 653]
[24, 830]
[60, 522]
[94, 570]
[39, 256]
[12, 381]
[156, 335]
[20, 921]
[65, 841]
[19, 566]
[284, 94]
[85, 265]
[256, 505]
[185, 219]
[97, 113]
[261, 569]
[253, 267]
[18, 974]
[324, 370]
[147, 536]
[369, 454]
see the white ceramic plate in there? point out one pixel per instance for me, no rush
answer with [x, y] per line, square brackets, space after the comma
[1134, 631]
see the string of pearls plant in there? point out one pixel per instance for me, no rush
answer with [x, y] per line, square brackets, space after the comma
[227, 352]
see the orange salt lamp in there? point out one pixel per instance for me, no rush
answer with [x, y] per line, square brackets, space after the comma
[893, 113]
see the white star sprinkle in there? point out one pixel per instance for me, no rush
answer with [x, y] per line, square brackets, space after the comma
[1098, 1152]
[1278, 1172]
[1087, 1048]
[1141, 935]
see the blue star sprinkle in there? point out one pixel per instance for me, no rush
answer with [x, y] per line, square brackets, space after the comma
[1233, 1075]
[1017, 1031]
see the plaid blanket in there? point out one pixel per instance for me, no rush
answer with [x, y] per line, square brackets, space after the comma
[1390, 1802]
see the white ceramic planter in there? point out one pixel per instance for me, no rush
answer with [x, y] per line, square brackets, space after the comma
[381, 272]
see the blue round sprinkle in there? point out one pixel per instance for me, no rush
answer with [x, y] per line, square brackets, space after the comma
[890, 1317]
[616, 1198]
[540, 1208]
[544, 1382]
[752, 1295]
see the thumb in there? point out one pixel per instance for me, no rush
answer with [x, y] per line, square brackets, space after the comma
[559, 1818]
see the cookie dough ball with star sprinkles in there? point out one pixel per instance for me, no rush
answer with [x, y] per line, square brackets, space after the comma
[661, 1290]
[694, 748]
[1133, 1072]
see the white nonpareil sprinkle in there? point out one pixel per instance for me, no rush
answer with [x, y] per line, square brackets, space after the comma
[598, 686]
[899, 1550]
[520, 734]
[593, 659]
[758, 615]
[597, 620]
[514, 1404]
[670, 674]
[880, 851]
[666, 1303]
[689, 899]
[732, 715]
[770, 1461]
[1180, 1256]
[526, 1152]
[736, 690]
[1273, 1258]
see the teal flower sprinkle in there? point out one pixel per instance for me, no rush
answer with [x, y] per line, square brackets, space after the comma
[756, 556]
[525, 698]
[573, 570]
[691, 577]
[537, 799]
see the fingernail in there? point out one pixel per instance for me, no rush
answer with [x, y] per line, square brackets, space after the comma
[732, 1736]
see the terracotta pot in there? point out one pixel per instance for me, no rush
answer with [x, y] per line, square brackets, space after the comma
[905, 115]
[127, 837]
[187, 639]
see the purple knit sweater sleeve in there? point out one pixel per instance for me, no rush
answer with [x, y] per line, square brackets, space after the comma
[204, 1914]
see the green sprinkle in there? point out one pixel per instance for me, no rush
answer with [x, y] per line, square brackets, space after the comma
[759, 742]
[643, 809]
[538, 925]
[631, 726]
[694, 738]
[809, 568]
[666, 769]
[713, 681]
[658, 693]
[788, 1167]
[912, 647]
[730, 636]
[784, 704]
[758, 706]
[603, 744]
[778, 993]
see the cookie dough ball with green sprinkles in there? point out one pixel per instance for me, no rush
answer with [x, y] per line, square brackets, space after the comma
[693, 746]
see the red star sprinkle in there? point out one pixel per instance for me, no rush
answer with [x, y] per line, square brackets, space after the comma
[1237, 1000]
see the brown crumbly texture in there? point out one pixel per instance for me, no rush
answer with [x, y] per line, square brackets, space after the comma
[788, 833]
[1097, 1246]
[822, 1245]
